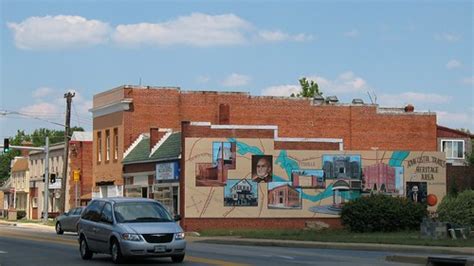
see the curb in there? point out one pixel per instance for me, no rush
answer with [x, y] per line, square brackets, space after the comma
[432, 260]
[334, 245]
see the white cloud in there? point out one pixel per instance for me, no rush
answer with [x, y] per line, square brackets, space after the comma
[455, 120]
[412, 98]
[278, 36]
[282, 90]
[197, 29]
[42, 92]
[236, 80]
[468, 81]
[36, 33]
[447, 37]
[346, 82]
[453, 64]
[42, 109]
[202, 79]
[352, 34]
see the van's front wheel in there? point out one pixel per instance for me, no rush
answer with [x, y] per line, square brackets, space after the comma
[178, 258]
[117, 256]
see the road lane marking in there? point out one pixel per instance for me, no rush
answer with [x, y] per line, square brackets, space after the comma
[3, 252]
[73, 242]
[212, 261]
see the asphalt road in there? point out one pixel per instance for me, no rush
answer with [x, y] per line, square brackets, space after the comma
[30, 246]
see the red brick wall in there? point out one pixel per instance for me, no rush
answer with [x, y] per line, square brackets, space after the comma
[80, 159]
[198, 224]
[361, 127]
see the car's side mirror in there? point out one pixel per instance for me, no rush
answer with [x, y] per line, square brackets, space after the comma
[177, 217]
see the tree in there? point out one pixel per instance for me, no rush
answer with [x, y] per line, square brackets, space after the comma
[308, 88]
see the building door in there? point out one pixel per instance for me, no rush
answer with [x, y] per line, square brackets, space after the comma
[167, 194]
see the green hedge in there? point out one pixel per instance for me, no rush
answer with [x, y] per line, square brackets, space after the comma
[458, 209]
[382, 213]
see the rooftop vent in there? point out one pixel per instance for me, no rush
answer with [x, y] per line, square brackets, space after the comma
[357, 101]
[318, 99]
[332, 99]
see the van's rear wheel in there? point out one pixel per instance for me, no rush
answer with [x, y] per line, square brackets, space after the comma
[86, 254]
[59, 229]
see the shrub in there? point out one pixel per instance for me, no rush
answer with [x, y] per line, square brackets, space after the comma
[382, 213]
[20, 214]
[458, 209]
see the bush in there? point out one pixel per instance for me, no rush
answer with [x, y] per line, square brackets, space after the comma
[20, 214]
[458, 209]
[382, 213]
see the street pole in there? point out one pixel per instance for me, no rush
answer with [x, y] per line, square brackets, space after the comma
[62, 198]
[46, 181]
[75, 200]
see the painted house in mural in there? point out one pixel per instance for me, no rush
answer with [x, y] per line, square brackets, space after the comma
[282, 195]
[241, 193]
[312, 179]
[308, 178]
[380, 177]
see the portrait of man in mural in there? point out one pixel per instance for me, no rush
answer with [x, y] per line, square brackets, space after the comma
[262, 168]
[417, 191]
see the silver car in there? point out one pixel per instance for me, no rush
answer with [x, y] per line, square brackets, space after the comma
[126, 227]
[67, 222]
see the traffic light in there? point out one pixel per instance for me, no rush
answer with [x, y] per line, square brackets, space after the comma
[52, 178]
[6, 145]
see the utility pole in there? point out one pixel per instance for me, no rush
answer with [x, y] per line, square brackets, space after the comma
[46, 181]
[62, 199]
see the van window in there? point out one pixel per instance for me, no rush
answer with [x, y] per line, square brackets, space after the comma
[106, 215]
[92, 212]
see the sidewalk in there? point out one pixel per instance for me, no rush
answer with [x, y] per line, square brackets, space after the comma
[27, 225]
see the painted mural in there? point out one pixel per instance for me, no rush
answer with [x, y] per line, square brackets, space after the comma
[238, 178]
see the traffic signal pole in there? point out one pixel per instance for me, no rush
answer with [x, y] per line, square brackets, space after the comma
[44, 149]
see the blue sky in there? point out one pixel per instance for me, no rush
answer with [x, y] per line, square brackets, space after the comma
[416, 52]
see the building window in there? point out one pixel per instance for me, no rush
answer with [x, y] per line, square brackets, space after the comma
[115, 143]
[34, 202]
[107, 145]
[454, 149]
[99, 147]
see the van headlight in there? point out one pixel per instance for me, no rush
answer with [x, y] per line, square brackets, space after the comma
[131, 237]
[179, 236]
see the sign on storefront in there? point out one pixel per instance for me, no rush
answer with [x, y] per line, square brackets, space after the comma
[167, 171]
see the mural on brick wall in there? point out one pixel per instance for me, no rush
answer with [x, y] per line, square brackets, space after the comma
[265, 182]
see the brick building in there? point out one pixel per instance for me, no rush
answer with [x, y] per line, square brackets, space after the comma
[121, 114]
[80, 160]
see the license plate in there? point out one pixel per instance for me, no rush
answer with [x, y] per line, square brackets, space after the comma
[160, 248]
